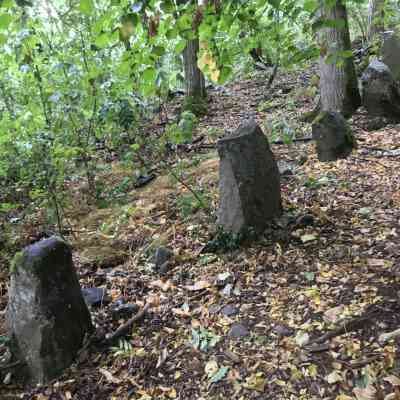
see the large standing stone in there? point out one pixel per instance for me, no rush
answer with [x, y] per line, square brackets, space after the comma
[381, 94]
[333, 136]
[249, 180]
[47, 316]
[391, 53]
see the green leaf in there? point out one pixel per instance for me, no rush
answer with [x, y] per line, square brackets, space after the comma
[225, 73]
[86, 7]
[219, 375]
[158, 50]
[310, 276]
[180, 46]
[105, 39]
[149, 75]
[310, 5]
[5, 20]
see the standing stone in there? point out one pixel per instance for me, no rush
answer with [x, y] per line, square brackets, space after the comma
[333, 136]
[381, 93]
[249, 181]
[391, 53]
[47, 316]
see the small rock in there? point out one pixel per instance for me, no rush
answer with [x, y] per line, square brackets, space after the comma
[95, 296]
[381, 92]
[229, 310]
[238, 331]
[391, 53]
[333, 136]
[283, 330]
[162, 259]
[123, 311]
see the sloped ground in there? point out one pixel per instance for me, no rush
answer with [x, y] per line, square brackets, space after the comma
[250, 324]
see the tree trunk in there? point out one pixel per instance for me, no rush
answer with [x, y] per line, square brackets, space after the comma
[195, 87]
[194, 78]
[338, 79]
[376, 17]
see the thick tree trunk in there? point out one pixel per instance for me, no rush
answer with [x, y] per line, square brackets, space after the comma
[375, 17]
[194, 78]
[338, 79]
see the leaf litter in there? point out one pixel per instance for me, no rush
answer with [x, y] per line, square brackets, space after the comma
[315, 299]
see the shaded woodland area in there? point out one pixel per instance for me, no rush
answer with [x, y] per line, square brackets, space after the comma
[199, 199]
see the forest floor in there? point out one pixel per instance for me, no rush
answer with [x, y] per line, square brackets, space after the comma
[296, 314]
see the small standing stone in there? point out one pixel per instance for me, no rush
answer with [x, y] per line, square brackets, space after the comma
[391, 53]
[249, 184]
[381, 92]
[162, 259]
[47, 316]
[333, 136]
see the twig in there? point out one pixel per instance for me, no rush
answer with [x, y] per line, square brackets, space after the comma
[367, 159]
[357, 364]
[124, 329]
[348, 326]
[186, 186]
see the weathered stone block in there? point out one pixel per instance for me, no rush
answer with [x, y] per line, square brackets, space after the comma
[46, 315]
[333, 136]
[249, 183]
[381, 92]
[391, 53]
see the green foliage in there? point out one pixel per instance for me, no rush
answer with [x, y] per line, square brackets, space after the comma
[15, 261]
[78, 77]
[224, 241]
[280, 129]
[204, 340]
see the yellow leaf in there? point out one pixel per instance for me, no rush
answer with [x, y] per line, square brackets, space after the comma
[256, 382]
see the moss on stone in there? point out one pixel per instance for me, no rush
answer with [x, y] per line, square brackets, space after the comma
[15, 261]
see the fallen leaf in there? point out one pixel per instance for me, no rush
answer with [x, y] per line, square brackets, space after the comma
[219, 375]
[164, 286]
[199, 285]
[109, 376]
[308, 238]
[393, 380]
[302, 338]
[334, 314]
[256, 382]
[211, 368]
[334, 377]
[367, 393]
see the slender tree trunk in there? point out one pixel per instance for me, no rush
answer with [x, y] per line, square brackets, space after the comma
[338, 79]
[376, 15]
[194, 78]
[195, 87]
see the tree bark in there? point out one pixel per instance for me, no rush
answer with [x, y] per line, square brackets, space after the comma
[194, 78]
[338, 79]
[195, 87]
[376, 15]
